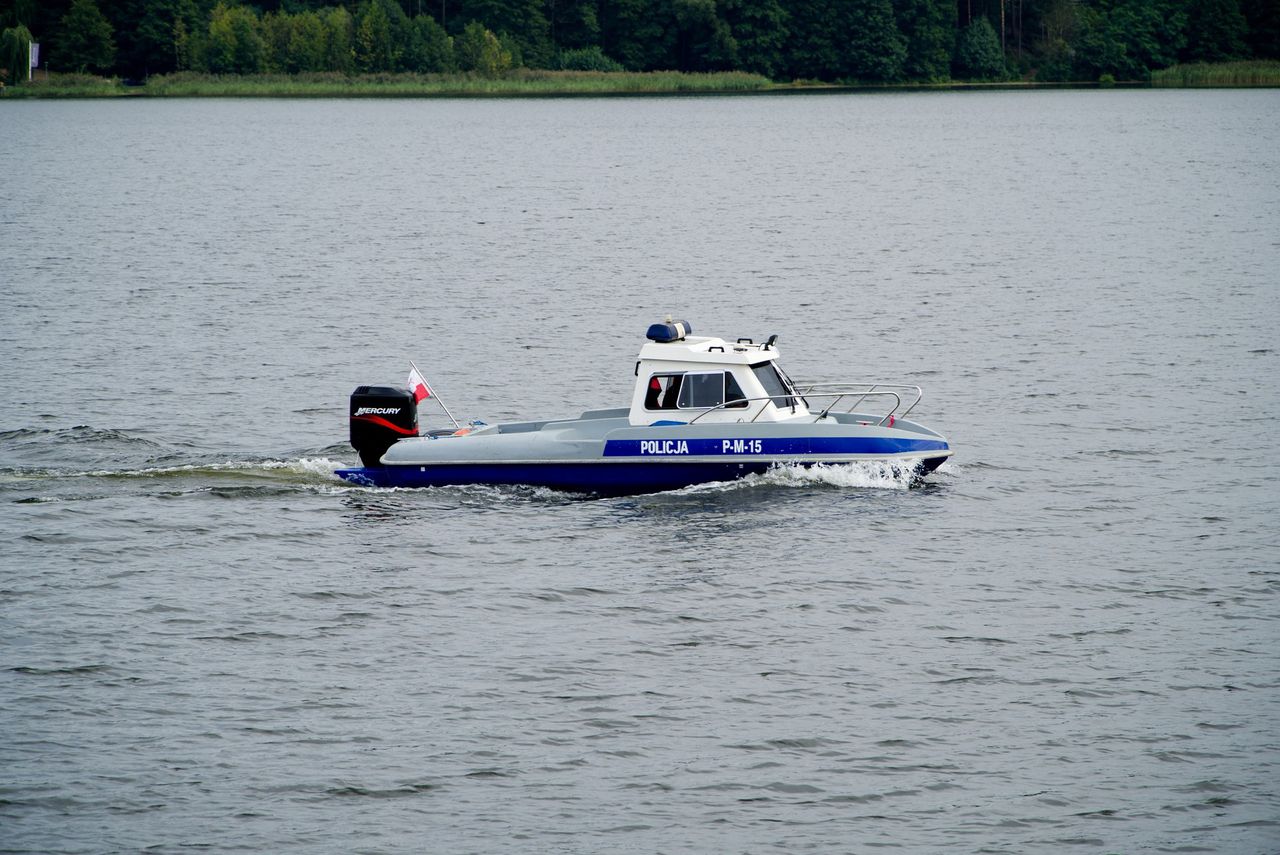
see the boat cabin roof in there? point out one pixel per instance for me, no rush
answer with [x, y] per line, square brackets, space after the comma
[707, 350]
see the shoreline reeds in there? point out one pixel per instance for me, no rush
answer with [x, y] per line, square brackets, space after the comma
[524, 82]
[1252, 73]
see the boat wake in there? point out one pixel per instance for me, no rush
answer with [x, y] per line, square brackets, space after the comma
[872, 475]
[301, 470]
[226, 478]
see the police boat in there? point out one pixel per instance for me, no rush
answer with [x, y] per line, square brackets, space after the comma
[703, 409]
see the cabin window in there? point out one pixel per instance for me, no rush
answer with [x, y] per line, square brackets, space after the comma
[774, 386]
[693, 391]
[791, 384]
[663, 392]
[733, 393]
[701, 391]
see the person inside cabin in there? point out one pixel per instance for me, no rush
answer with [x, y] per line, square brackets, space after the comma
[651, 397]
[663, 392]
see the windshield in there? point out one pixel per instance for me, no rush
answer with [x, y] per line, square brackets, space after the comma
[774, 385]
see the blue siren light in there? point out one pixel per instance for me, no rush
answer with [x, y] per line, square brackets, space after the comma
[668, 332]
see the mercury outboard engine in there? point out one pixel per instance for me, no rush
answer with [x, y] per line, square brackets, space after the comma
[380, 415]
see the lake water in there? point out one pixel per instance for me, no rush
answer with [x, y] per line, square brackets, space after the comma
[1066, 642]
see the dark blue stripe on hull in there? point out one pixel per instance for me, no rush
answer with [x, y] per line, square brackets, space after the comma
[601, 479]
[596, 478]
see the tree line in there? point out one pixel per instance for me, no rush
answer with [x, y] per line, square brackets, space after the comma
[868, 41]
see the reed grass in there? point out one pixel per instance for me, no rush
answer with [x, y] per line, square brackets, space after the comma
[521, 82]
[66, 86]
[1223, 74]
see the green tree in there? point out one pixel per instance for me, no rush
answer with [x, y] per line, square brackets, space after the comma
[234, 44]
[42, 18]
[846, 40]
[1215, 31]
[376, 49]
[382, 35]
[1050, 21]
[250, 55]
[639, 33]
[1263, 18]
[19, 13]
[181, 45]
[573, 24]
[1126, 39]
[703, 40]
[928, 27]
[15, 54]
[275, 27]
[811, 51]
[339, 40]
[511, 46]
[306, 47]
[430, 48]
[587, 59]
[523, 20]
[1153, 33]
[760, 29]
[1054, 61]
[1096, 48]
[876, 50]
[1056, 23]
[978, 55]
[479, 50]
[147, 32]
[85, 42]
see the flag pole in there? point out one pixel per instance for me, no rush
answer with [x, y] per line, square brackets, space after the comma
[434, 395]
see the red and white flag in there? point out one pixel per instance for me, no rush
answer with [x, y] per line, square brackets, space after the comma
[418, 385]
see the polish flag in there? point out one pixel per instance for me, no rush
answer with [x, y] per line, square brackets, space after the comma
[418, 385]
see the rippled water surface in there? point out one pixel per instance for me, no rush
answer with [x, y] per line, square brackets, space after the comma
[1065, 642]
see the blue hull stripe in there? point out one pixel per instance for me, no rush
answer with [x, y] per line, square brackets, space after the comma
[620, 479]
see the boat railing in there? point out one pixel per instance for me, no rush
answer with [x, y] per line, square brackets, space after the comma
[837, 393]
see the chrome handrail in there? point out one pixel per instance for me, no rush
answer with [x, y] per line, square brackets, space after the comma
[837, 397]
[864, 390]
[736, 401]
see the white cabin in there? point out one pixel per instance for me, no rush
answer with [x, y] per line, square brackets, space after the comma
[681, 378]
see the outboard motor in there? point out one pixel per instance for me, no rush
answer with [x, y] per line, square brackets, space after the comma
[380, 415]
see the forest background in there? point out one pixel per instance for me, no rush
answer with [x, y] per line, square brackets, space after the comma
[862, 41]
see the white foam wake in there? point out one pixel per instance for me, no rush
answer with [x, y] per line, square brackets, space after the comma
[307, 468]
[875, 475]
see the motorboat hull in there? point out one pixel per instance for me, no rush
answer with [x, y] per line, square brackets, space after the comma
[602, 453]
[602, 478]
